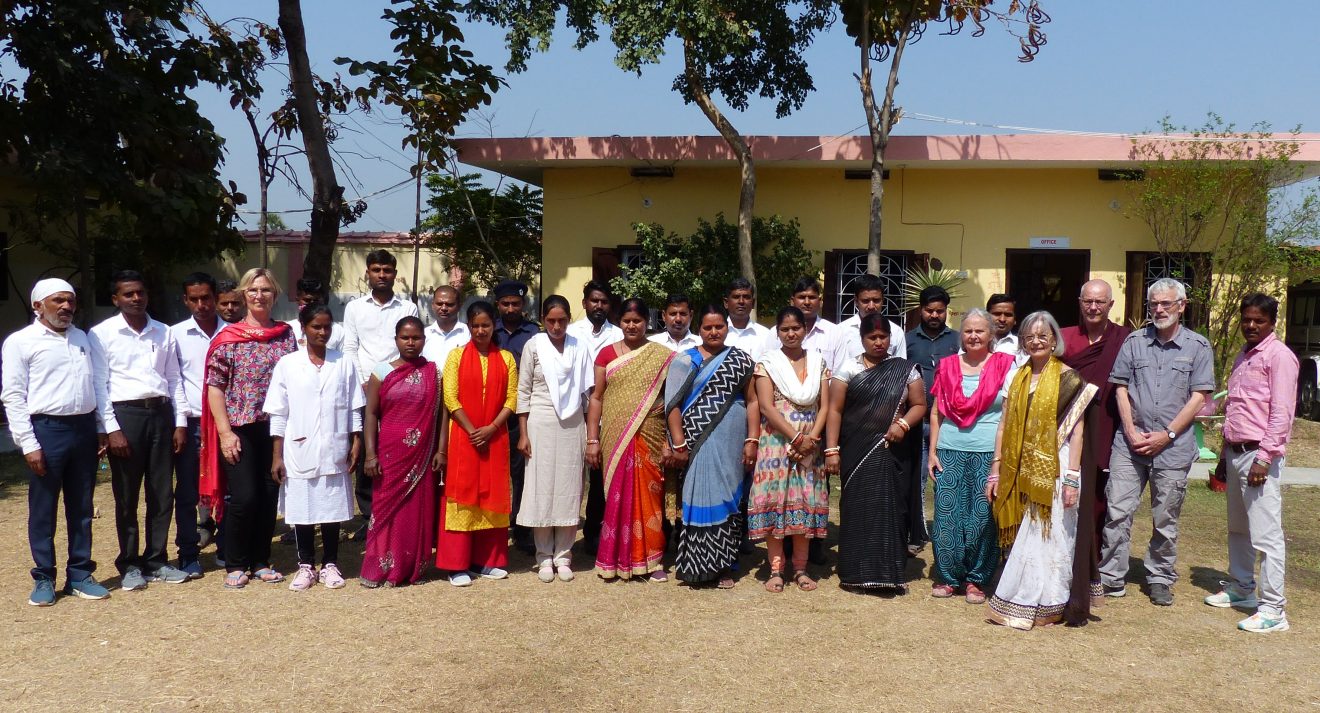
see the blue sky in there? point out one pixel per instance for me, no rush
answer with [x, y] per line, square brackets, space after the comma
[1116, 66]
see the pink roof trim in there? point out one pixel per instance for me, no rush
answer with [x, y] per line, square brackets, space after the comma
[639, 150]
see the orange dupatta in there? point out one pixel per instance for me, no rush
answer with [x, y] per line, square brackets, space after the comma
[480, 477]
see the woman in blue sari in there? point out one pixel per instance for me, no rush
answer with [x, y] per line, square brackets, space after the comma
[714, 425]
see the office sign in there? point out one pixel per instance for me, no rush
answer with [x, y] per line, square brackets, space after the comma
[1049, 243]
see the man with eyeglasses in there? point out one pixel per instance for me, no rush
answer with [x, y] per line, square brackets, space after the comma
[1162, 376]
[1092, 348]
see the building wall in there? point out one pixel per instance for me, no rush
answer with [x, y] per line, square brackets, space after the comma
[965, 217]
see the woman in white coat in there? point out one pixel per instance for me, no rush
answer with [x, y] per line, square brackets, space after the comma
[556, 371]
[315, 405]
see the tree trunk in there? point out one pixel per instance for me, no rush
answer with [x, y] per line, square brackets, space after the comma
[263, 169]
[747, 195]
[86, 280]
[880, 121]
[327, 194]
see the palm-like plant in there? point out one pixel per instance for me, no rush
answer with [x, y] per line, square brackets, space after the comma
[919, 278]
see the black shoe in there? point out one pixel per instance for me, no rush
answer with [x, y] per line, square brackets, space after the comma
[1112, 590]
[1161, 595]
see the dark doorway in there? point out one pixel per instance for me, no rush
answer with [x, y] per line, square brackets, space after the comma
[1050, 280]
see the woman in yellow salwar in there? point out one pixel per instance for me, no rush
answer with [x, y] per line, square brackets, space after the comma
[480, 384]
[626, 438]
[1035, 479]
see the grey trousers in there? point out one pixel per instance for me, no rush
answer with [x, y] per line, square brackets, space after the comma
[1127, 481]
[1255, 525]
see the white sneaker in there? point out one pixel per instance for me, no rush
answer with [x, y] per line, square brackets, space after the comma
[1262, 624]
[1229, 597]
[460, 579]
[492, 573]
[565, 573]
[546, 574]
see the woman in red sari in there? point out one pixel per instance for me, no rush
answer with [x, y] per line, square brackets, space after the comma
[481, 393]
[405, 449]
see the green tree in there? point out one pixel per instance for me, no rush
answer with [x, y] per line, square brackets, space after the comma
[701, 265]
[101, 127]
[493, 232]
[735, 49]
[882, 30]
[1216, 191]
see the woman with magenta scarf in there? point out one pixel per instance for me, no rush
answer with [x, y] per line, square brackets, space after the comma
[967, 401]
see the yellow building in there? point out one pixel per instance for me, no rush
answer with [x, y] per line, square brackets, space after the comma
[1033, 216]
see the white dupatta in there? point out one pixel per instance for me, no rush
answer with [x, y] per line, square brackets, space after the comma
[568, 375]
[780, 370]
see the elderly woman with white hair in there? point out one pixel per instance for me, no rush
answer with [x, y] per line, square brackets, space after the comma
[967, 397]
[1035, 479]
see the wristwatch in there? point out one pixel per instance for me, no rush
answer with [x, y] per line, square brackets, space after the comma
[1172, 434]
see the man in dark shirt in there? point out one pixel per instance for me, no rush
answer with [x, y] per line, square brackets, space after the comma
[930, 342]
[512, 333]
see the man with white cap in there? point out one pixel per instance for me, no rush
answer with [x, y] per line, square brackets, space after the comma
[53, 397]
[143, 429]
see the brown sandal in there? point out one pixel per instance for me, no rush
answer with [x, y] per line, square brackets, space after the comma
[803, 580]
[771, 585]
[726, 582]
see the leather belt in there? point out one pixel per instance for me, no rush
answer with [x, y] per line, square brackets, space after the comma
[150, 402]
[1243, 446]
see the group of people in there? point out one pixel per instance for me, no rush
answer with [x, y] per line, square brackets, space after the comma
[706, 437]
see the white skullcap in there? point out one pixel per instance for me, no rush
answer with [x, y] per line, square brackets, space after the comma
[49, 286]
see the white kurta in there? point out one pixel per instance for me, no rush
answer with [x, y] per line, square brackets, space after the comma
[315, 410]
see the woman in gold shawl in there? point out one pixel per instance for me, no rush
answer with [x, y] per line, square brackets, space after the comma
[626, 438]
[1035, 479]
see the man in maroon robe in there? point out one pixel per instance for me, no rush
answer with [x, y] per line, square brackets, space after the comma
[1091, 349]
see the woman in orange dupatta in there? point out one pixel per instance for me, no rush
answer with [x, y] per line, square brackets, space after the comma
[626, 430]
[481, 392]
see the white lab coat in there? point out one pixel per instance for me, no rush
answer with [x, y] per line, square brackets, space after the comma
[315, 411]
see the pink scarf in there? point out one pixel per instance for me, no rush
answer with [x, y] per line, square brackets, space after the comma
[964, 410]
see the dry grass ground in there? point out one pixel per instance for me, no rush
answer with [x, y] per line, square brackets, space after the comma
[589, 646]
[1303, 444]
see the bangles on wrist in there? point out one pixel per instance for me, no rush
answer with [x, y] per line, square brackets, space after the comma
[831, 451]
[751, 440]
[593, 441]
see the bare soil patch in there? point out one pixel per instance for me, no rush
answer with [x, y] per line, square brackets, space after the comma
[590, 646]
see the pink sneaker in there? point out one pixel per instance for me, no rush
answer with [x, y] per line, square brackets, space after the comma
[330, 576]
[304, 579]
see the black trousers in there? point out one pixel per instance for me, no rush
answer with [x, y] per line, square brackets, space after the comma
[595, 515]
[253, 496]
[68, 445]
[150, 463]
[517, 476]
[305, 537]
[186, 472]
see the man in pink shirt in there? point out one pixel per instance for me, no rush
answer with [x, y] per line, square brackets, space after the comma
[1258, 417]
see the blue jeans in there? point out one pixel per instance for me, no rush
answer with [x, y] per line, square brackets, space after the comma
[186, 472]
[68, 445]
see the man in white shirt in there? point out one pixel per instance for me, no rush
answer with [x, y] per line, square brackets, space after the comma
[821, 334]
[369, 340]
[677, 335]
[193, 336]
[744, 332]
[143, 430]
[869, 296]
[1003, 317]
[596, 332]
[310, 291]
[53, 398]
[446, 333]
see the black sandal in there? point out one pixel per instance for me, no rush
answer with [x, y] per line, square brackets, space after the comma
[806, 586]
[775, 588]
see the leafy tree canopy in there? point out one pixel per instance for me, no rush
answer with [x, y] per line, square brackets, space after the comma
[100, 124]
[493, 233]
[702, 264]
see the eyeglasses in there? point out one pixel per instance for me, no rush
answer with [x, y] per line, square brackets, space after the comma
[1038, 339]
[1165, 304]
[259, 291]
[1095, 303]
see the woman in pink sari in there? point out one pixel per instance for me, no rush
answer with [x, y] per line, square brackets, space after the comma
[405, 448]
